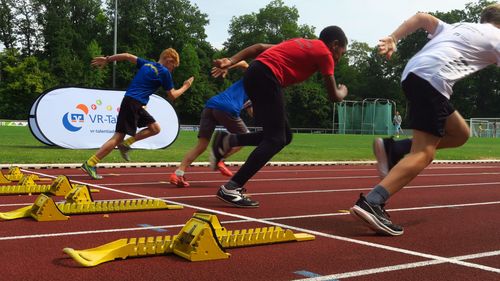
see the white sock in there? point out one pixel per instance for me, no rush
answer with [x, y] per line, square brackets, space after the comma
[179, 173]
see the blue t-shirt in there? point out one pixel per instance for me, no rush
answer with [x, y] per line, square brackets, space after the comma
[231, 100]
[149, 77]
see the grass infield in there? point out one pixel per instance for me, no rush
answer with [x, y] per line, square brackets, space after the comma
[17, 145]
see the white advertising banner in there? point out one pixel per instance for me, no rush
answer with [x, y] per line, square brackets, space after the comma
[81, 118]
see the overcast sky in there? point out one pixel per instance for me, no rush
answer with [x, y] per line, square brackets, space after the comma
[361, 20]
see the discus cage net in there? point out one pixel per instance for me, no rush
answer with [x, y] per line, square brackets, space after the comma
[369, 116]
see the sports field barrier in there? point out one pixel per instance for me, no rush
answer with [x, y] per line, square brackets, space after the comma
[13, 123]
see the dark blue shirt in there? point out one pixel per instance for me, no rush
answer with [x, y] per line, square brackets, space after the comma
[149, 77]
[231, 100]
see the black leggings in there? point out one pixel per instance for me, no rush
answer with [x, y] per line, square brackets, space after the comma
[266, 95]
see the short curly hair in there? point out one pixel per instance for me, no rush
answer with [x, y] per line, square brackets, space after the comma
[491, 14]
[333, 33]
[171, 53]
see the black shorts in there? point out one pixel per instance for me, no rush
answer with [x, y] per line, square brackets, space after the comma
[428, 108]
[132, 115]
[212, 117]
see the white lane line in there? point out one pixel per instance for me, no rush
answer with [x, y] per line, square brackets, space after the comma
[154, 227]
[301, 178]
[341, 238]
[241, 221]
[451, 185]
[396, 267]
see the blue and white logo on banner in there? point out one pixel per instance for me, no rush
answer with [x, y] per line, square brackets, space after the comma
[83, 118]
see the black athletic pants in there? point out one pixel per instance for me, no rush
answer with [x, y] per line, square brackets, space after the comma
[268, 103]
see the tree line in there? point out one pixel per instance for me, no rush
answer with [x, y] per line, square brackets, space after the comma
[49, 43]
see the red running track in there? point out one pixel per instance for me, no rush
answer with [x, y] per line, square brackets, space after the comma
[451, 216]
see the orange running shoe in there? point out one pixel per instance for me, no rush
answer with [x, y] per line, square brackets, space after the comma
[223, 169]
[178, 181]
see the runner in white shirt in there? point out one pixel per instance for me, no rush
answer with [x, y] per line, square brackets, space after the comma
[454, 51]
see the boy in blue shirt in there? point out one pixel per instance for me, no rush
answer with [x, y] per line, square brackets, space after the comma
[223, 109]
[149, 77]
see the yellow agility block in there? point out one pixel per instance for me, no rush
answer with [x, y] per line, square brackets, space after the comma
[15, 174]
[16, 214]
[45, 209]
[122, 249]
[202, 238]
[79, 201]
[198, 240]
[60, 186]
[3, 179]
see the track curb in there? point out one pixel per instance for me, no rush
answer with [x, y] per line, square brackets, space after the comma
[207, 164]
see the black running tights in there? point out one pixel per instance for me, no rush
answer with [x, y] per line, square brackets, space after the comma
[266, 95]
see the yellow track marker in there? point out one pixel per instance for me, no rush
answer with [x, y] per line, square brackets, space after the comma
[15, 174]
[60, 186]
[79, 201]
[202, 238]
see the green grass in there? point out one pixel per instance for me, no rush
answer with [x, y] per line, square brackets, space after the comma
[17, 145]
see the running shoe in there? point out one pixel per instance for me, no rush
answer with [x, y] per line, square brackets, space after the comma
[382, 148]
[91, 171]
[375, 216]
[223, 169]
[179, 181]
[124, 151]
[218, 151]
[236, 197]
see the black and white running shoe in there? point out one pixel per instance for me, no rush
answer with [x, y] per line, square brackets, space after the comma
[219, 149]
[124, 151]
[376, 217]
[382, 148]
[236, 197]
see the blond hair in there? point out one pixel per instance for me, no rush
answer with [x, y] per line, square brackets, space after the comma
[171, 53]
[491, 14]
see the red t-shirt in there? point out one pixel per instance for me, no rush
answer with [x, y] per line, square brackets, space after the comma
[295, 60]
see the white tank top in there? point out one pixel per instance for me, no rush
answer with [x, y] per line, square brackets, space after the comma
[455, 51]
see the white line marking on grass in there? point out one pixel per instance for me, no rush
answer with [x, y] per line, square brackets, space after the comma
[341, 238]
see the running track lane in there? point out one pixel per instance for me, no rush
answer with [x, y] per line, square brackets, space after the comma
[450, 214]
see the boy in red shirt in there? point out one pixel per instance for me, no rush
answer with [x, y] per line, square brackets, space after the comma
[275, 67]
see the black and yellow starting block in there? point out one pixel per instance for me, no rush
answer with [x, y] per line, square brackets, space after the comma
[15, 174]
[60, 186]
[79, 201]
[202, 238]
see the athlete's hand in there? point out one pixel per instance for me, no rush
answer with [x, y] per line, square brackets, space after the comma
[217, 72]
[189, 82]
[222, 63]
[341, 91]
[387, 46]
[99, 62]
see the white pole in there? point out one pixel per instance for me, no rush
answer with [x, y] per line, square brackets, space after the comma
[115, 42]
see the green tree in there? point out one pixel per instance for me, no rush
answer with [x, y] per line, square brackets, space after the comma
[94, 77]
[27, 29]
[308, 105]
[7, 37]
[68, 28]
[273, 24]
[23, 80]
[191, 103]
